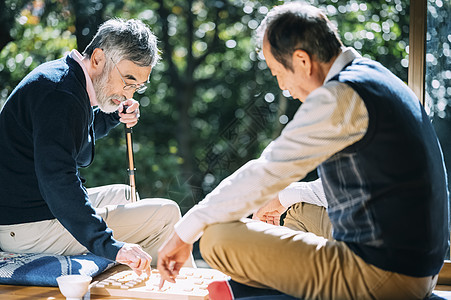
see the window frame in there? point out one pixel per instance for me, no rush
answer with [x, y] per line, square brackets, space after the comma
[416, 79]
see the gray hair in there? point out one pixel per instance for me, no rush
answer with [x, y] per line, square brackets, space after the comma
[294, 26]
[126, 39]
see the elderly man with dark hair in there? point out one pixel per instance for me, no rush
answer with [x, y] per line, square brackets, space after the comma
[47, 130]
[384, 233]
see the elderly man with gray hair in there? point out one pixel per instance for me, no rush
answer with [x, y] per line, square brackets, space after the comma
[48, 126]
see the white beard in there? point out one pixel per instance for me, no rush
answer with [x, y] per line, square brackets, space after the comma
[104, 101]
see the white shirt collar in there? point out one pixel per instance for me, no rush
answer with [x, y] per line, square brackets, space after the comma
[347, 55]
[89, 86]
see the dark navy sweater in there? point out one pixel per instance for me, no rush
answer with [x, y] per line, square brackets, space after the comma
[387, 193]
[47, 131]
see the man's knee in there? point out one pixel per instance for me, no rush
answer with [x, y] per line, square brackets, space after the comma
[171, 210]
[217, 238]
[309, 218]
[164, 209]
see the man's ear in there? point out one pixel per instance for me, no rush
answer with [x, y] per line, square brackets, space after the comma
[302, 61]
[98, 60]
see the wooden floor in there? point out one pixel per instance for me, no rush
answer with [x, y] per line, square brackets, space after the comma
[11, 292]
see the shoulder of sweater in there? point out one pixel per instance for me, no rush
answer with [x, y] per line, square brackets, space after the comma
[53, 90]
[57, 72]
[62, 78]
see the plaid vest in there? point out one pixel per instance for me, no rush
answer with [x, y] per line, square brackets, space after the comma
[387, 193]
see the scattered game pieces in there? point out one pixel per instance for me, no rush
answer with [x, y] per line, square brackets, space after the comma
[190, 284]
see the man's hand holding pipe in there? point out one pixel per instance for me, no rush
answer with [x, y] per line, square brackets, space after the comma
[131, 115]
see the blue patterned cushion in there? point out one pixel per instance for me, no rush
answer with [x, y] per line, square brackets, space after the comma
[43, 269]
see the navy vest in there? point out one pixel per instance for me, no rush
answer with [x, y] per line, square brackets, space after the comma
[387, 193]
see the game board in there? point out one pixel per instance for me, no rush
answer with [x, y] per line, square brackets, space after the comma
[190, 284]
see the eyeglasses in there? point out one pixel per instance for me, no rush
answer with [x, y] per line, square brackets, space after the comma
[139, 88]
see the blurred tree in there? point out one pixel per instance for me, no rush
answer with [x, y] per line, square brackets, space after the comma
[89, 14]
[217, 92]
[212, 104]
[35, 31]
[8, 13]
[39, 33]
[438, 74]
[209, 92]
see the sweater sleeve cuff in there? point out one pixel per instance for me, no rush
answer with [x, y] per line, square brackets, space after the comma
[112, 250]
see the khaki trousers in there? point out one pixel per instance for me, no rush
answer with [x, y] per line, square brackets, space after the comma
[295, 260]
[147, 222]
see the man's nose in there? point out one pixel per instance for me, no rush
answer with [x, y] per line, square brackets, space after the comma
[128, 94]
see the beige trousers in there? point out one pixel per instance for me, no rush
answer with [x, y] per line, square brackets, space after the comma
[296, 260]
[147, 222]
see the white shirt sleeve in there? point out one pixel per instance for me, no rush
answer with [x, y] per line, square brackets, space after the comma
[309, 192]
[331, 118]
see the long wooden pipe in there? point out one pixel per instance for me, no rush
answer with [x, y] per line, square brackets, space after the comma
[131, 165]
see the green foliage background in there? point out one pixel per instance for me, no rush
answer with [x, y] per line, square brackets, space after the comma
[212, 104]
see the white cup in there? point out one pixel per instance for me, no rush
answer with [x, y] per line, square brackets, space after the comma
[73, 287]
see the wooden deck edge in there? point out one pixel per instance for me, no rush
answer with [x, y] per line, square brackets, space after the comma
[444, 277]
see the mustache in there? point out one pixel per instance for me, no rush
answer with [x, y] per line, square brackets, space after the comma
[117, 97]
